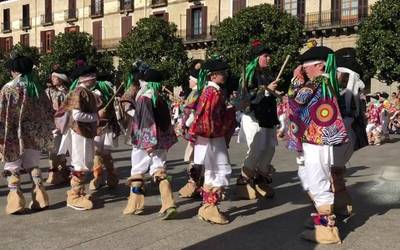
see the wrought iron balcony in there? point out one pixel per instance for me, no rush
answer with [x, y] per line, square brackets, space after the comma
[25, 24]
[6, 27]
[47, 19]
[198, 41]
[96, 10]
[158, 3]
[71, 15]
[126, 5]
[335, 19]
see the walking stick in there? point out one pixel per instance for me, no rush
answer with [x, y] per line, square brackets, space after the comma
[282, 68]
[113, 97]
[275, 93]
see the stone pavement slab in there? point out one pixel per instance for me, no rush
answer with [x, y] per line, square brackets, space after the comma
[372, 176]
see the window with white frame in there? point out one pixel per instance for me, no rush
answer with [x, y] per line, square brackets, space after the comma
[290, 6]
[349, 8]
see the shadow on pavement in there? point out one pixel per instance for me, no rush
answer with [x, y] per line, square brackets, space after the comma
[278, 232]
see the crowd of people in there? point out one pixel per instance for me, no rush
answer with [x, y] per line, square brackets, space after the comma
[323, 117]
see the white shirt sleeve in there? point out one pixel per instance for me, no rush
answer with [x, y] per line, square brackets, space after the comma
[80, 116]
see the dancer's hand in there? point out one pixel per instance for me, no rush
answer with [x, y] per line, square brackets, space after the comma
[150, 151]
[102, 113]
[273, 85]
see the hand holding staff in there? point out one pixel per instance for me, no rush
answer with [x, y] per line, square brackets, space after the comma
[282, 68]
[274, 92]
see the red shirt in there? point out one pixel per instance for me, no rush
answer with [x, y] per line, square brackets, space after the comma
[210, 118]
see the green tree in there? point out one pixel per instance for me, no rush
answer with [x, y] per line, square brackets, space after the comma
[67, 47]
[31, 52]
[5, 75]
[18, 49]
[278, 29]
[154, 41]
[378, 47]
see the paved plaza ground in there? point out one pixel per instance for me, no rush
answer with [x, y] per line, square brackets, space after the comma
[373, 178]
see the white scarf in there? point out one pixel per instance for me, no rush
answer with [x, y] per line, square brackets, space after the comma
[143, 91]
[354, 85]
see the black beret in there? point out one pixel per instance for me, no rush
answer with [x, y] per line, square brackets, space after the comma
[260, 49]
[346, 58]
[194, 67]
[384, 95]
[152, 75]
[105, 76]
[316, 53]
[21, 64]
[83, 70]
[214, 65]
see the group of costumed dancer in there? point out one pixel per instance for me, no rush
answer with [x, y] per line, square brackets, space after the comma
[321, 119]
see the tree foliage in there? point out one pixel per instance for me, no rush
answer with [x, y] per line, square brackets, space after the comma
[18, 49]
[378, 47]
[70, 46]
[279, 30]
[154, 41]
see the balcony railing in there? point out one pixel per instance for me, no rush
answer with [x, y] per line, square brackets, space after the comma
[209, 36]
[96, 11]
[158, 3]
[71, 15]
[25, 24]
[6, 27]
[47, 19]
[126, 5]
[335, 19]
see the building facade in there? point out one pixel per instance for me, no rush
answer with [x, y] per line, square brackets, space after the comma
[333, 23]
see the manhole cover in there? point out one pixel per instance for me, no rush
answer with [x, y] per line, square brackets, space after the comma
[391, 173]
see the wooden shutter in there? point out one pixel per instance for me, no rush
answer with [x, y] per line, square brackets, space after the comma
[10, 44]
[49, 36]
[336, 11]
[97, 34]
[188, 23]
[92, 7]
[6, 19]
[24, 39]
[48, 10]
[362, 8]
[166, 16]
[301, 6]
[235, 7]
[2, 44]
[72, 9]
[204, 21]
[126, 25]
[25, 15]
[43, 41]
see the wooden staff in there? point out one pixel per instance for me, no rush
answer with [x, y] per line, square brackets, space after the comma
[282, 68]
[172, 94]
[112, 98]
[276, 93]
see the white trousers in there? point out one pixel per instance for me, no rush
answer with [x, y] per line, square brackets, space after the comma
[282, 120]
[104, 143]
[189, 152]
[315, 174]
[57, 138]
[81, 150]
[261, 143]
[213, 154]
[29, 159]
[143, 162]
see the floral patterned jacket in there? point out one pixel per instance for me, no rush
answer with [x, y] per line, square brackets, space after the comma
[25, 122]
[151, 127]
[312, 118]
